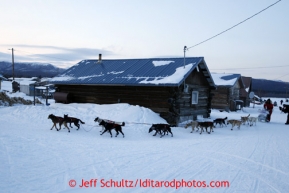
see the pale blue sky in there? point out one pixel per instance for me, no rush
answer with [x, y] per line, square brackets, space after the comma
[64, 32]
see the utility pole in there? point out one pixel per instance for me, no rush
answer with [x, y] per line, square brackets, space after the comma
[287, 90]
[12, 62]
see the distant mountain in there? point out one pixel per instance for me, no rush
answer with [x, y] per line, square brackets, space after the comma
[270, 88]
[29, 69]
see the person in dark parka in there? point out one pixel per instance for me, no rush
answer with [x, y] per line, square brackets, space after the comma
[285, 109]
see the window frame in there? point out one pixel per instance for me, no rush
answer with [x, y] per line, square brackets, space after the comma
[195, 97]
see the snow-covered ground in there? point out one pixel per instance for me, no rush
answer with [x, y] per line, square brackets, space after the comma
[37, 159]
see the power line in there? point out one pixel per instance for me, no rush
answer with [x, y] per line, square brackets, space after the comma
[282, 76]
[234, 25]
[250, 67]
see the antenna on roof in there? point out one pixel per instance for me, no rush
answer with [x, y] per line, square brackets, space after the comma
[99, 58]
[185, 49]
[185, 86]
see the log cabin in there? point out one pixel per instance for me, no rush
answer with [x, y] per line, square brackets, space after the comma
[179, 89]
[244, 92]
[227, 95]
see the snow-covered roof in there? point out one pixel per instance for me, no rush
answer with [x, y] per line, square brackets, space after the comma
[144, 72]
[225, 79]
[41, 87]
[25, 81]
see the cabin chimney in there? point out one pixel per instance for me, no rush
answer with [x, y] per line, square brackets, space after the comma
[99, 58]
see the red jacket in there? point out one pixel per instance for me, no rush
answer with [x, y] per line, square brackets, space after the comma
[268, 106]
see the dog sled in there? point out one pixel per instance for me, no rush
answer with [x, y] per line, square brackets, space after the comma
[263, 115]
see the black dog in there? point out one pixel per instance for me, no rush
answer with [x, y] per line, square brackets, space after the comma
[97, 119]
[220, 121]
[162, 129]
[109, 126]
[73, 120]
[206, 125]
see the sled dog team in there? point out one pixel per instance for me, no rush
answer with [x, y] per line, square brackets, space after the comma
[221, 121]
[162, 129]
[107, 125]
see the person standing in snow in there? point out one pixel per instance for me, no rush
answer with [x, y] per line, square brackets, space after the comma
[269, 107]
[285, 109]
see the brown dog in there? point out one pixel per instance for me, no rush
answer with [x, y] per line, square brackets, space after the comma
[245, 119]
[55, 120]
[74, 120]
[234, 122]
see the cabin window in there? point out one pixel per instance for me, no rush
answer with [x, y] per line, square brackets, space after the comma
[195, 97]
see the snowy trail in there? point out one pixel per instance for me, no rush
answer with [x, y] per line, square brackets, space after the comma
[36, 159]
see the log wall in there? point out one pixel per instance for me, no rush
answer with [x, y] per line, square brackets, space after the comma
[172, 103]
